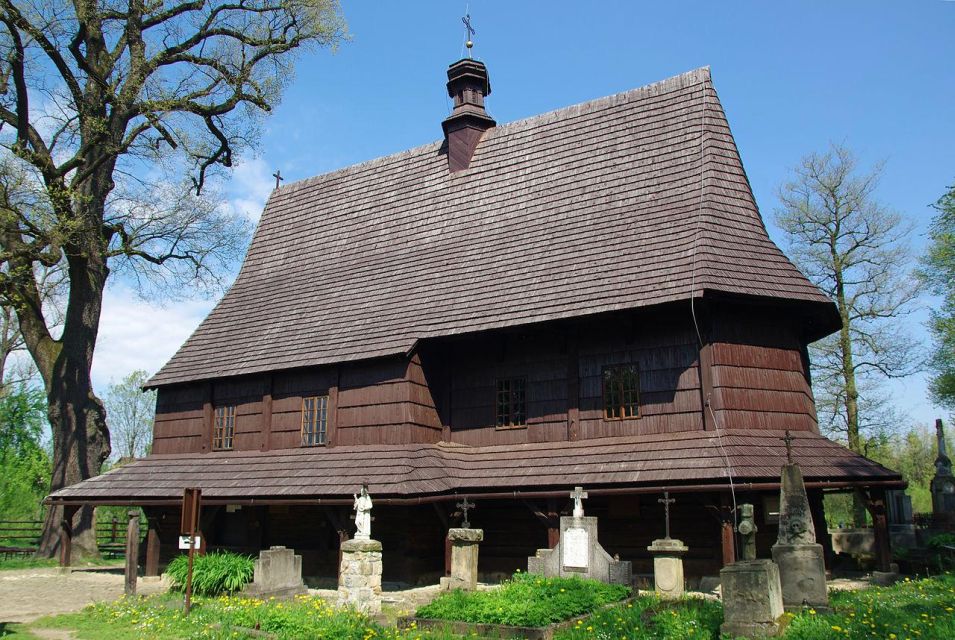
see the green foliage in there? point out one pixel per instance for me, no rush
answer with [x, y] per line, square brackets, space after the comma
[525, 600]
[938, 273]
[920, 609]
[940, 540]
[25, 462]
[212, 573]
[649, 618]
[129, 416]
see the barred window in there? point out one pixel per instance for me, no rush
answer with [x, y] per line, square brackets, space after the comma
[314, 420]
[224, 430]
[511, 404]
[621, 388]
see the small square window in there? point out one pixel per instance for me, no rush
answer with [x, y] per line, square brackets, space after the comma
[314, 420]
[511, 406]
[621, 388]
[224, 431]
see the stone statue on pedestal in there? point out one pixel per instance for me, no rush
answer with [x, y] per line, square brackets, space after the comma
[362, 509]
[747, 530]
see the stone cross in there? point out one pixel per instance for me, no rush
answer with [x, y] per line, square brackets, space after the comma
[579, 495]
[666, 501]
[464, 506]
[789, 446]
[278, 177]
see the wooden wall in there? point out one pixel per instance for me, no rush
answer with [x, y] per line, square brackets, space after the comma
[753, 369]
[760, 374]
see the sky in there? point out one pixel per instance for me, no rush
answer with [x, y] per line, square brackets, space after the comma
[877, 76]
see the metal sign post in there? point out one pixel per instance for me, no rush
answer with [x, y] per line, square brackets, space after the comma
[191, 506]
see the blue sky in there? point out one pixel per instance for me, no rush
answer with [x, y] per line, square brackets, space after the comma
[792, 76]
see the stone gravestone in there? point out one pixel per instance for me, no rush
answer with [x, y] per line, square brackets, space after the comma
[359, 577]
[278, 574]
[802, 568]
[752, 595]
[578, 553]
[464, 553]
[667, 553]
[943, 484]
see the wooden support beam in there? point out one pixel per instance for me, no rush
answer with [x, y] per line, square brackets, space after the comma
[331, 424]
[208, 419]
[550, 518]
[132, 552]
[706, 386]
[573, 389]
[817, 510]
[151, 567]
[727, 529]
[875, 504]
[66, 535]
[337, 520]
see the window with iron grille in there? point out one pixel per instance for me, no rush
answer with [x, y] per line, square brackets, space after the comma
[314, 420]
[621, 388]
[511, 403]
[224, 431]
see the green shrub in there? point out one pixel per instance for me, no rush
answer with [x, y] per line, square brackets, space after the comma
[525, 600]
[212, 573]
[940, 540]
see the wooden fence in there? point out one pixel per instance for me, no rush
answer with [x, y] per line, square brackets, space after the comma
[22, 537]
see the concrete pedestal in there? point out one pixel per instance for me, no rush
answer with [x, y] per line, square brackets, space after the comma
[668, 567]
[464, 559]
[752, 599]
[278, 574]
[802, 575]
[359, 580]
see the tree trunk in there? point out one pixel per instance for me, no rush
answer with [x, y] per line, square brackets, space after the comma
[77, 417]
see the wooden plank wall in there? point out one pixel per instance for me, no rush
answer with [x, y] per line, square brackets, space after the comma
[476, 366]
[288, 389]
[180, 426]
[759, 375]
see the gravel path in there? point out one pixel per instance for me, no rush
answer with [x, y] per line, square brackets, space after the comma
[28, 594]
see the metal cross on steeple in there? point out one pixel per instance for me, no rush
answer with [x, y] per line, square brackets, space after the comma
[468, 33]
[666, 501]
[464, 506]
[278, 177]
[789, 446]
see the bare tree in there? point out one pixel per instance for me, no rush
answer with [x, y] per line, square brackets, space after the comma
[129, 415]
[115, 114]
[856, 250]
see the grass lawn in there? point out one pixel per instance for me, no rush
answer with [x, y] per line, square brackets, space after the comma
[911, 610]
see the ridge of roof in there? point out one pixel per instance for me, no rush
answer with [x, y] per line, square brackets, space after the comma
[679, 81]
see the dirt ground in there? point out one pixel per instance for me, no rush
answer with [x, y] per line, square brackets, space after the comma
[28, 594]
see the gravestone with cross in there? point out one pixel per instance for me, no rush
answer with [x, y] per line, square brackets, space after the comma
[464, 552]
[578, 552]
[802, 570]
[668, 579]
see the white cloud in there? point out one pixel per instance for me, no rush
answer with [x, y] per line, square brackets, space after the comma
[250, 187]
[135, 334]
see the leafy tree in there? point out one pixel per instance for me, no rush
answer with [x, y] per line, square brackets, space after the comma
[115, 114]
[129, 415]
[856, 250]
[25, 462]
[938, 273]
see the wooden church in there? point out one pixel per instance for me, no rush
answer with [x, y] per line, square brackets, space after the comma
[587, 297]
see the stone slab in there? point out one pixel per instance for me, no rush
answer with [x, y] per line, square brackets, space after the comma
[466, 535]
[361, 545]
[752, 599]
[668, 579]
[802, 576]
[578, 553]
[278, 574]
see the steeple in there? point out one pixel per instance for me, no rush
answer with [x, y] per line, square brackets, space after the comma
[468, 85]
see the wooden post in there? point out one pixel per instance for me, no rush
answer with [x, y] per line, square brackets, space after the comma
[573, 394]
[113, 530]
[817, 509]
[132, 552]
[706, 386]
[66, 535]
[266, 443]
[151, 567]
[727, 530]
[880, 526]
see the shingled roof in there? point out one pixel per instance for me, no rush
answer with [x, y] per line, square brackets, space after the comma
[640, 462]
[628, 201]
